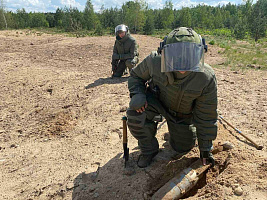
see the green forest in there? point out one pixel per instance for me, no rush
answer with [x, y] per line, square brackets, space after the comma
[247, 20]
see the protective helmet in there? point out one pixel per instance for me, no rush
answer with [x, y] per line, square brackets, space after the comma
[182, 50]
[183, 34]
[121, 28]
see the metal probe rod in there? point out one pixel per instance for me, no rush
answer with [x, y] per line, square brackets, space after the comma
[257, 146]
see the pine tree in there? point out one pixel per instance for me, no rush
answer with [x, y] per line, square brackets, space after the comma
[2, 14]
[59, 18]
[167, 15]
[185, 18]
[258, 20]
[218, 19]
[89, 15]
[149, 24]
[134, 17]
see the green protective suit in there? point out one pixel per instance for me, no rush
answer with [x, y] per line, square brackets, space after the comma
[125, 54]
[187, 101]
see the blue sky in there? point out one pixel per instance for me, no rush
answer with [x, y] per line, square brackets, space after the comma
[52, 5]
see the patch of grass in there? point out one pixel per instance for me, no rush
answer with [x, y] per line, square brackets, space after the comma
[227, 62]
[78, 33]
[212, 42]
[246, 54]
[233, 41]
[228, 47]
[249, 57]
[216, 66]
[222, 32]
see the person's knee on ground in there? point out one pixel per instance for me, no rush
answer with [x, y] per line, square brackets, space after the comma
[181, 148]
[120, 69]
[182, 137]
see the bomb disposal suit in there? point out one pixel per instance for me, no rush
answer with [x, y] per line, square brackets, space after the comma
[125, 53]
[182, 88]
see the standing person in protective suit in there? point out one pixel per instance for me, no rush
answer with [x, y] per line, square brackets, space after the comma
[125, 52]
[183, 89]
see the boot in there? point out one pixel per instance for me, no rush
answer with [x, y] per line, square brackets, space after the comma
[145, 160]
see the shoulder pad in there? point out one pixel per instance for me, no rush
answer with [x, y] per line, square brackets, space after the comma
[208, 69]
[131, 37]
[208, 72]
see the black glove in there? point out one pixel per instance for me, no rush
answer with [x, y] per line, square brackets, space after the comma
[137, 101]
[114, 64]
[114, 68]
[208, 156]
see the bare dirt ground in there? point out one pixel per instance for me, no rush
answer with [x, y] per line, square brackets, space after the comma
[61, 128]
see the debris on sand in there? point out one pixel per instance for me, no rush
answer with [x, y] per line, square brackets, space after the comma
[238, 191]
[228, 145]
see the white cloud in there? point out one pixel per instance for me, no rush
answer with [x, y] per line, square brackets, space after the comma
[34, 2]
[52, 5]
[72, 3]
[41, 5]
[185, 3]
[188, 3]
[155, 4]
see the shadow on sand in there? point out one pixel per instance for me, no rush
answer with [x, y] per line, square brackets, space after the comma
[113, 181]
[108, 80]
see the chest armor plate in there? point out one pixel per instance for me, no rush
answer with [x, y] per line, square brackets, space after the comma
[181, 95]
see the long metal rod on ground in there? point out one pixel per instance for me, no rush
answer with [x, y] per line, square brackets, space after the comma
[259, 147]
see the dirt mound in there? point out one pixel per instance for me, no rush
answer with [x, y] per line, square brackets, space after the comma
[61, 127]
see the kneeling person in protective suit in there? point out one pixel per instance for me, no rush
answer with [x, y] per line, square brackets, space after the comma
[125, 54]
[183, 89]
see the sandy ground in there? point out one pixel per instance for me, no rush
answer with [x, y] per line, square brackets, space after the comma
[61, 128]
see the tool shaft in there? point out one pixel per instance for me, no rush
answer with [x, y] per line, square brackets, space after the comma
[125, 140]
[124, 131]
[254, 143]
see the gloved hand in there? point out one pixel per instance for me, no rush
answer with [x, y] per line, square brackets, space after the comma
[207, 156]
[114, 68]
[114, 64]
[137, 101]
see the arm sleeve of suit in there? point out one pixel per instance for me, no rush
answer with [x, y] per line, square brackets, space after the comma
[133, 51]
[205, 115]
[139, 75]
[115, 55]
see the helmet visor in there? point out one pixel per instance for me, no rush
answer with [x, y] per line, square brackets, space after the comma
[182, 56]
[120, 28]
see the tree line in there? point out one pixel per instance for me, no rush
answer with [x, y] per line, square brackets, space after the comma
[240, 21]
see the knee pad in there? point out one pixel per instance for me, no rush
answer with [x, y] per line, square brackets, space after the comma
[136, 122]
[135, 119]
[182, 137]
[182, 148]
